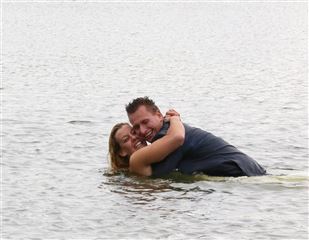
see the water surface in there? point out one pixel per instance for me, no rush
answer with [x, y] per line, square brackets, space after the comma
[238, 70]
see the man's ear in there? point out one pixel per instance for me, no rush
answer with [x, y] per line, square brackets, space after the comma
[159, 114]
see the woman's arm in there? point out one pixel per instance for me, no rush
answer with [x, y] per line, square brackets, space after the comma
[141, 160]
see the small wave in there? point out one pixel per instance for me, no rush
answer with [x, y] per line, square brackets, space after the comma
[81, 122]
[275, 181]
[166, 183]
[183, 178]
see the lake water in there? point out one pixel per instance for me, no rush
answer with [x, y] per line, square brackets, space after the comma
[236, 69]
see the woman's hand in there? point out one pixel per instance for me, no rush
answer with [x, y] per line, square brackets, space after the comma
[171, 113]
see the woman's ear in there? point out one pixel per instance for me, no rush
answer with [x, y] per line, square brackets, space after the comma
[123, 153]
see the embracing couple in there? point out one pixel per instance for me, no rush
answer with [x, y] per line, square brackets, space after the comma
[174, 146]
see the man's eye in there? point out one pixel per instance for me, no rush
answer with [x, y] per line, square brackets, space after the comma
[145, 121]
[125, 140]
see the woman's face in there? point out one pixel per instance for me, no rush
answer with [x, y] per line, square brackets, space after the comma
[128, 142]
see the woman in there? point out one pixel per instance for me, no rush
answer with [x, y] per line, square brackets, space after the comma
[128, 153]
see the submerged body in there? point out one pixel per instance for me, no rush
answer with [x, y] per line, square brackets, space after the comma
[206, 153]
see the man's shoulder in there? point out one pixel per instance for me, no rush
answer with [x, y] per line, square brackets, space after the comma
[189, 130]
[194, 130]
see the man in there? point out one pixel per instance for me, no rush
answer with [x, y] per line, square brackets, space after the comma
[201, 151]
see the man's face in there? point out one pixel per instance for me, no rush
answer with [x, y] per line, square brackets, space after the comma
[146, 123]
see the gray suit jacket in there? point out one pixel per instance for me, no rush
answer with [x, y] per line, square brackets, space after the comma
[206, 153]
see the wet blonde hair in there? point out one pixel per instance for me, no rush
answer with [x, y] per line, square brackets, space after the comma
[117, 163]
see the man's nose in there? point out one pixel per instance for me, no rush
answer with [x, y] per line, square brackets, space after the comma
[143, 130]
[133, 136]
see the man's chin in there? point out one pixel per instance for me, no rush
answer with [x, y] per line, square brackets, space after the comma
[150, 138]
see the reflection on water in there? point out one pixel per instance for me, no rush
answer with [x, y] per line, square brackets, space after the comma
[145, 190]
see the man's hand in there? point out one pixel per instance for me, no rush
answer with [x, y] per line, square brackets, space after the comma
[171, 113]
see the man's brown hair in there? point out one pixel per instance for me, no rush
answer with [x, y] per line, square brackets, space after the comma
[141, 101]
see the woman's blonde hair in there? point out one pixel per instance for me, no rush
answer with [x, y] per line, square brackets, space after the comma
[117, 163]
